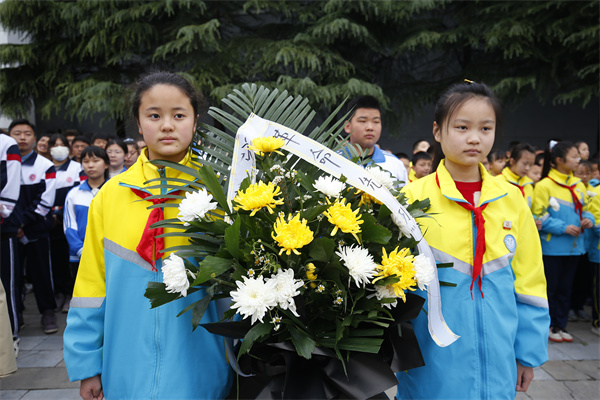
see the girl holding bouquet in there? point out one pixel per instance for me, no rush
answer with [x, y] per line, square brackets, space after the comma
[484, 228]
[114, 343]
[561, 230]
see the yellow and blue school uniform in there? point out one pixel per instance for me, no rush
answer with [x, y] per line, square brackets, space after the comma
[552, 233]
[592, 236]
[524, 183]
[139, 352]
[506, 318]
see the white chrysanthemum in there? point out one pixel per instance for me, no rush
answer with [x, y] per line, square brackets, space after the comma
[424, 271]
[553, 203]
[591, 194]
[400, 224]
[175, 276]
[254, 297]
[195, 206]
[329, 186]
[285, 287]
[382, 176]
[359, 262]
[386, 292]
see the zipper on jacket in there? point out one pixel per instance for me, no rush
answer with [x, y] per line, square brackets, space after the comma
[162, 174]
[480, 332]
[158, 360]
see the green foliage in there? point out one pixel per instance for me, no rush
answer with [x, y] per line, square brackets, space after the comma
[83, 55]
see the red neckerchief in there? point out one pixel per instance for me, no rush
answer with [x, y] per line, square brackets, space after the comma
[150, 247]
[578, 206]
[480, 239]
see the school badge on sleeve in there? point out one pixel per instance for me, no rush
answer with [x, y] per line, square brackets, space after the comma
[510, 243]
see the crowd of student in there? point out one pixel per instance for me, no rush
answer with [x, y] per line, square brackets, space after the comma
[53, 179]
[514, 226]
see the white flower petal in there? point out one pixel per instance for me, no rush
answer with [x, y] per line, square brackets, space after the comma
[285, 287]
[553, 203]
[195, 206]
[175, 276]
[424, 271]
[382, 176]
[329, 186]
[359, 262]
[254, 297]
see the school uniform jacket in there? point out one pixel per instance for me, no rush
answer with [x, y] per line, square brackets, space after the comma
[592, 236]
[141, 353]
[76, 209]
[390, 163]
[552, 234]
[525, 184]
[10, 174]
[509, 322]
[38, 181]
[68, 175]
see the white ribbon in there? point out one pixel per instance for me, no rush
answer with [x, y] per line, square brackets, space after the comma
[336, 165]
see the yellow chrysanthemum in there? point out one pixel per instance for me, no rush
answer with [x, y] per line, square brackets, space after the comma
[310, 271]
[366, 198]
[310, 274]
[257, 196]
[262, 145]
[343, 218]
[399, 264]
[291, 235]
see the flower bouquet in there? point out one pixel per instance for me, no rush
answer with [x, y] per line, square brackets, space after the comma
[314, 256]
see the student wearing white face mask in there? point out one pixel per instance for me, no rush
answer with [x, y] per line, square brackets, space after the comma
[68, 175]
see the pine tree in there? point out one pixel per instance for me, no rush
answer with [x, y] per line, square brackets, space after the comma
[86, 54]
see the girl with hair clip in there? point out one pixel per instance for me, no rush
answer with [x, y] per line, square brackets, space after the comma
[559, 202]
[114, 342]
[484, 228]
[522, 157]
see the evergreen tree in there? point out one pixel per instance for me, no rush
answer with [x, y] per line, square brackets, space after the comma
[85, 54]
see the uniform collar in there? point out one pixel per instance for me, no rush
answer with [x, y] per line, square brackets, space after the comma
[516, 179]
[143, 170]
[377, 155]
[490, 189]
[564, 179]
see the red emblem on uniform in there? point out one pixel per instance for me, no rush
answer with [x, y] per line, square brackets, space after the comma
[69, 179]
[32, 177]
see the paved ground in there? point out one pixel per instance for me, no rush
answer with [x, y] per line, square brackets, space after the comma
[573, 371]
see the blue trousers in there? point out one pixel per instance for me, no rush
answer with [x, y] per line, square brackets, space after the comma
[560, 272]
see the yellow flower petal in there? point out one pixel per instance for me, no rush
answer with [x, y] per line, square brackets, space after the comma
[291, 235]
[261, 145]
[257, 196]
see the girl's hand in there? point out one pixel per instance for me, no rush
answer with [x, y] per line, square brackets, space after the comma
[572, 230]
[586, 223]
[538, 224]
[91, 388]
[524, 377]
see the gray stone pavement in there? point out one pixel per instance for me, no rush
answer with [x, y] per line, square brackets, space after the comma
[572, 372]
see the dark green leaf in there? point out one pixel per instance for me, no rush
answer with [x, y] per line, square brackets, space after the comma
[232, 238]
[304, 344]
[321, 249]
[258, 331]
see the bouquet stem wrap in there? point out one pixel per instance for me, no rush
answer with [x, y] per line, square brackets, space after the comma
[336, 165]
[283, 374]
